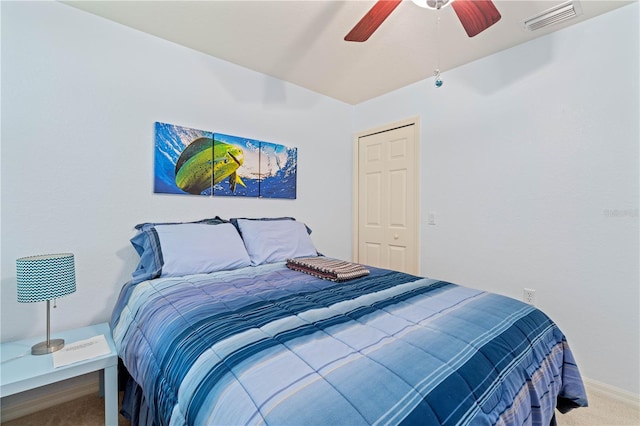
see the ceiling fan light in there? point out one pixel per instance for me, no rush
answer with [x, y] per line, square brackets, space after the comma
[432, 4]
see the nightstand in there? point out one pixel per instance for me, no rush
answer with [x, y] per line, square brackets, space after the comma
[20, 371]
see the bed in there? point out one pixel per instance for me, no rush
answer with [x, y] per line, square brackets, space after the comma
[251, 340]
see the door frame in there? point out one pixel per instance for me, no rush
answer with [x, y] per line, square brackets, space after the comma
[415, 121]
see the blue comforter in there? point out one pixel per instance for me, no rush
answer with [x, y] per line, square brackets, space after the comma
[268, 345]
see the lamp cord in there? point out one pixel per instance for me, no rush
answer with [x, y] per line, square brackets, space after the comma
[15, 357]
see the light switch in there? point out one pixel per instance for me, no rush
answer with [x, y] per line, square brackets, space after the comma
[431, 218]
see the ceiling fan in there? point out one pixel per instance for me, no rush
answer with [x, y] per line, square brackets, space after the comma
[475, 16]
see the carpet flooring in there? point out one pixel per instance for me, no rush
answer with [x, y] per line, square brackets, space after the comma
[602, 411]
[89, 411]
[85, 411]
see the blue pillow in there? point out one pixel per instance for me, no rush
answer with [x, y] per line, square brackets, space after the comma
[235, 221]
[192, 248]
[147, 245]
[269, 241]
[209, 221]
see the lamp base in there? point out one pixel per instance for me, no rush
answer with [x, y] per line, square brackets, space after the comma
[42, 348]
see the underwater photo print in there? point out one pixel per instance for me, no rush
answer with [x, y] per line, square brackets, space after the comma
[236, 166]
[182, 164]
[190, 161]
[278, 171]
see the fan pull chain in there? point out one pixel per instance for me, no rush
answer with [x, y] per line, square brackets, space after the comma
[436, 73]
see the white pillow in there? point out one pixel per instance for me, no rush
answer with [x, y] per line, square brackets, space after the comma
[269, 241]
[199, 249]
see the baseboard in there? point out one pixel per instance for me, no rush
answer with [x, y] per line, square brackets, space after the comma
[612, 392]
[24, 403]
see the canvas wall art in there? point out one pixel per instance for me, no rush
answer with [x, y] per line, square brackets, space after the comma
[199, 162]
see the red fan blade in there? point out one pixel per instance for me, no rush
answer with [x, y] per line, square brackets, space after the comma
[372, 20]
[476, 15]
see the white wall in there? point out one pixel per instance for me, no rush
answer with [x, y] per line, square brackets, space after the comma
[530, 161]
[524, 156]
[80, 96]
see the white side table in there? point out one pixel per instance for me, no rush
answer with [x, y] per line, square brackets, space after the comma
[19, 373]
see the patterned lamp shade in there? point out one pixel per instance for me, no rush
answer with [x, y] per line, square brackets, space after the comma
[45, 277]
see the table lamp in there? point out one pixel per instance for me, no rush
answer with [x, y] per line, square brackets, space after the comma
[41, 278]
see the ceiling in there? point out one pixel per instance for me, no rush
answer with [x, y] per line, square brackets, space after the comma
[301, 41]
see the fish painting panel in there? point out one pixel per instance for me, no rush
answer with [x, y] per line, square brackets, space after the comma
[278, 171]
[191, 161]
[171, 142]
[235, 166]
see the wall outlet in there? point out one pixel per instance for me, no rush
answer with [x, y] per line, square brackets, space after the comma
[529, 296]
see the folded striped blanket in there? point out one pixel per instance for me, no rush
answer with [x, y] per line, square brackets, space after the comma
[327, 268]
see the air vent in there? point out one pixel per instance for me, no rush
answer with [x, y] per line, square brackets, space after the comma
[555, 15]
